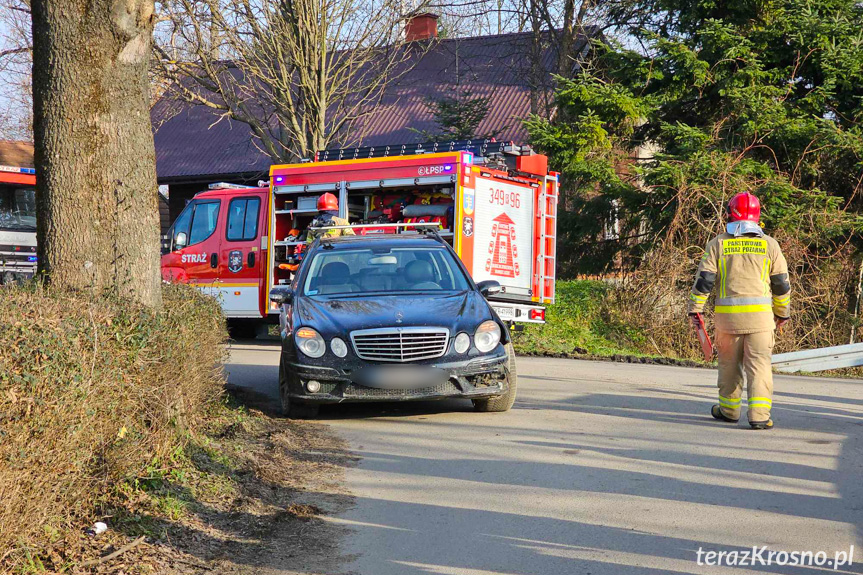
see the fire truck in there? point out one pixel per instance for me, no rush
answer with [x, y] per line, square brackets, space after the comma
[495, 202]
[17, 223]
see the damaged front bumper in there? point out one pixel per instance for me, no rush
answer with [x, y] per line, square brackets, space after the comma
[475, 378]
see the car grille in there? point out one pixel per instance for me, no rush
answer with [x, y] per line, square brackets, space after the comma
[400, 344]
[445, 388]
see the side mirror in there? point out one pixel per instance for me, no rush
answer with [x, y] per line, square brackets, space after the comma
[180, 240]
[489, 287]
[281, 295]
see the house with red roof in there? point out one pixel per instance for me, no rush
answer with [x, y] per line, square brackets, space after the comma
[195, 146]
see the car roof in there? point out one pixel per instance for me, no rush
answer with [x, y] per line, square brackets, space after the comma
[383, 241]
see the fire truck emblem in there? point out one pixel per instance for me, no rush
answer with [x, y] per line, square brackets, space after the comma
[235, 261]
[502, 253]
[468, 202]
[467, 227]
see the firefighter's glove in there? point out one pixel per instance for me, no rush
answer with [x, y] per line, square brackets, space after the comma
[693, 319]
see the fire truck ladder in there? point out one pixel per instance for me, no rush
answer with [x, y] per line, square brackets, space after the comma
[545, 259]
[479, 148]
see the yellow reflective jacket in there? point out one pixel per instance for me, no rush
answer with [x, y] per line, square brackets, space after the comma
[328, 220]
[750, 275]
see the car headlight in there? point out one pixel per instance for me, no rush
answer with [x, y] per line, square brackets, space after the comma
[487, 336]
[310, 342]
[340, 349]
[462, 343]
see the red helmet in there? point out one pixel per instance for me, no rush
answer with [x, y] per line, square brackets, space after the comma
[744, 207]
[328, 202]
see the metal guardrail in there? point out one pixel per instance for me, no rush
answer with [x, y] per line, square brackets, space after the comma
[819, 359]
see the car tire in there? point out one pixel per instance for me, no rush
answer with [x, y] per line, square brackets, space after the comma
[291, 408]
[502, 402]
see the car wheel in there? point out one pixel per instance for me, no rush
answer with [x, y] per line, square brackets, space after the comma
[502, 402]
[291, 408]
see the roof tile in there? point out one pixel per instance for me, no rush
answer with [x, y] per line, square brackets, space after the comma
[193, 141]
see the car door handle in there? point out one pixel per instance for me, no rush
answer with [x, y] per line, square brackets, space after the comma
[251, 259]
[214, 260]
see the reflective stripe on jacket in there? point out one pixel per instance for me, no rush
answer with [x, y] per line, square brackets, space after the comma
[750, 277]
[328, 220]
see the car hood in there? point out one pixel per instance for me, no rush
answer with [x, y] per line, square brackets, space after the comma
[341, 315]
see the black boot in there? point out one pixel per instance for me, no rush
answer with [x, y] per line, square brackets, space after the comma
[761, 424]
[716, 412]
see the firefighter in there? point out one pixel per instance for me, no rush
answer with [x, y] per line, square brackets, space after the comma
[328, 215]
[753, 298]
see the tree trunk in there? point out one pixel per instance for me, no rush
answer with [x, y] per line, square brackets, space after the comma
[98, 222]
[566, 40]
[536, 68]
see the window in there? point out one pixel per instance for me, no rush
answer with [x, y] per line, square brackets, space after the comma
[18, 209]
[243, 219]
[181, 225]
[374, 270]
[203, 221]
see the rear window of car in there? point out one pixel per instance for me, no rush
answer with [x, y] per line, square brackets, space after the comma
[366, 270]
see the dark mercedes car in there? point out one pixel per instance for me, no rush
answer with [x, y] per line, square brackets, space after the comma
[390, 318]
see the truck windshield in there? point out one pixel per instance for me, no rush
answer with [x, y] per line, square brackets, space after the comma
[18, 209]
[396, 270]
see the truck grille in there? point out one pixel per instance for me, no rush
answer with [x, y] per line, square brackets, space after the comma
[400, 344]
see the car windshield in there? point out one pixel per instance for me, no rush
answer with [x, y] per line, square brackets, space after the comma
[392, 270]
[18, 209]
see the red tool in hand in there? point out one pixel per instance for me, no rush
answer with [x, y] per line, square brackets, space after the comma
[703, 337]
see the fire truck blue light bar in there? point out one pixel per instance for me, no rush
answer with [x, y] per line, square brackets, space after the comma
[17, 170]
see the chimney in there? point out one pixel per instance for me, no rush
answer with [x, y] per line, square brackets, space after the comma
[421, 27]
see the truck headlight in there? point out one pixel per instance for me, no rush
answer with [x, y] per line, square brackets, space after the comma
[340, 349]
[310, 342]
[487, 336]
[462, 343]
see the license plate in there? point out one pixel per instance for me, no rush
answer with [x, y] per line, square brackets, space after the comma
[399, 376]
[505, 312]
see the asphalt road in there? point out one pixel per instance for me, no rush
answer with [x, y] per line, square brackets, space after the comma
[600, 468]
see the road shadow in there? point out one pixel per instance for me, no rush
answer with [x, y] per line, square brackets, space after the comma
[515, 542]
[393, 409]
[760, 479]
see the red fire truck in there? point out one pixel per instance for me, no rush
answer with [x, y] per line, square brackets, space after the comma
[17, 223]
[495, 202]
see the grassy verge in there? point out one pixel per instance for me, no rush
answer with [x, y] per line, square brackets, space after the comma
[95, 393]
[112, 413]
[579, 323]
[238, 495]
[245, 490]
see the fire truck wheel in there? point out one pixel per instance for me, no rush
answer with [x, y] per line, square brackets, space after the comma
[502, 402]
[291, 408]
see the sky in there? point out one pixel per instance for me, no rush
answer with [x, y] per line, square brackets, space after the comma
[15, 107]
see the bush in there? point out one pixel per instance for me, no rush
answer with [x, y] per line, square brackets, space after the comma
[92, 393]
[581, 322]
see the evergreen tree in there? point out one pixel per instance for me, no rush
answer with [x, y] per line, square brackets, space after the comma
[457, 117]
[726, 97]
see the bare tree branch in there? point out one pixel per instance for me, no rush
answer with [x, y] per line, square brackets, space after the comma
[299, 73]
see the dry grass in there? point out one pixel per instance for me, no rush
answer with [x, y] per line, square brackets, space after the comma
[653, 299]
[93, 394]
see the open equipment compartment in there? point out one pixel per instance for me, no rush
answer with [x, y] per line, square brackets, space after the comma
[499, 216]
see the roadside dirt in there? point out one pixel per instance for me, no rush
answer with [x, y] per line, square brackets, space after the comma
[253, 502]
